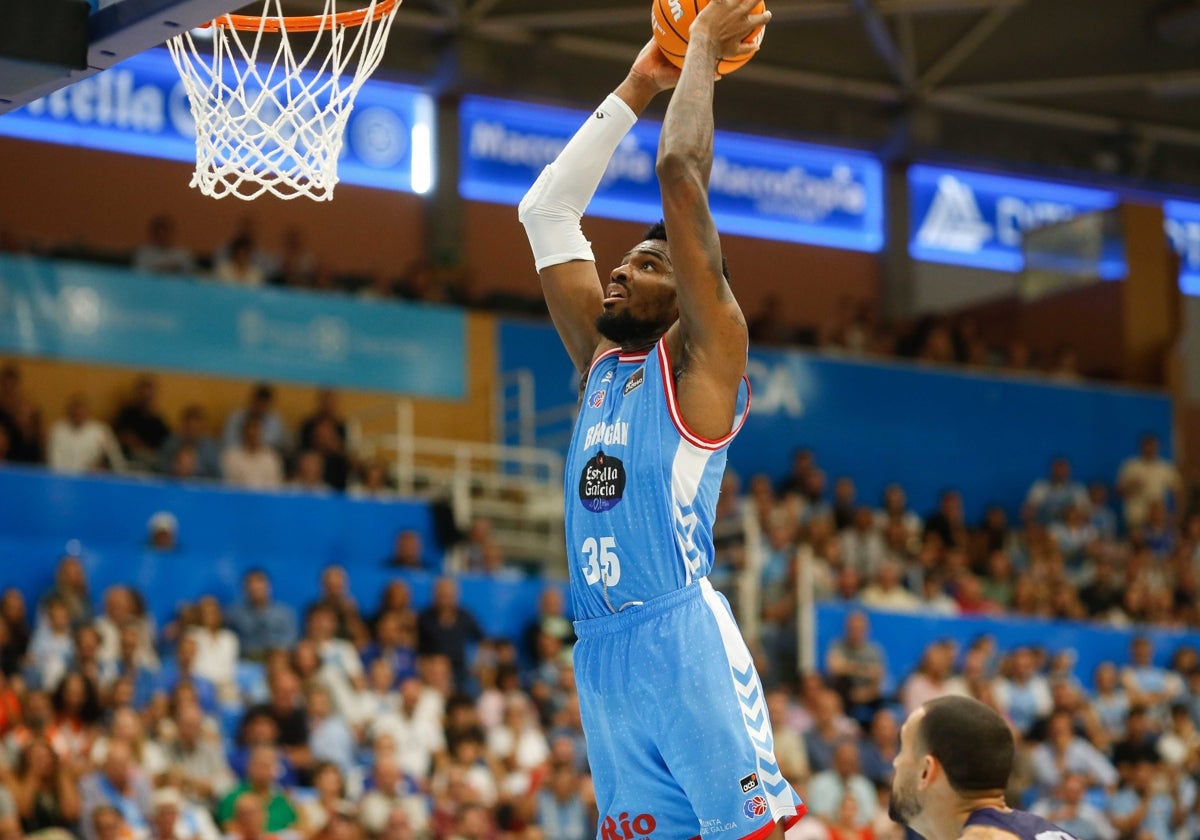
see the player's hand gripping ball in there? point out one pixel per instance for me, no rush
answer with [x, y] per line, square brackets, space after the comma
[671, 20]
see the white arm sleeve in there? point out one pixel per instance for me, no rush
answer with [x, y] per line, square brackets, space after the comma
[552, 208]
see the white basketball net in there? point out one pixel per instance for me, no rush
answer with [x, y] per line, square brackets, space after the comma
[275, 126]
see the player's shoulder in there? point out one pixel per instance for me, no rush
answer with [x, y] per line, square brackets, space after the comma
[987, 832]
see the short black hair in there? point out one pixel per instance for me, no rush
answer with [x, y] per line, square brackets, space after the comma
[970, 740]
[658, 232]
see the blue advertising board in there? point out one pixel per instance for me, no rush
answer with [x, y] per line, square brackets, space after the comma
[140, 107]
[877, 423]
[771, 189]
[101, 314]
[978, 219]
[1183, 229]
[905, 636]
[223, 533]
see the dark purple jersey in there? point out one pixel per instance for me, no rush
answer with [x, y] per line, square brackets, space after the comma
[1023, 824]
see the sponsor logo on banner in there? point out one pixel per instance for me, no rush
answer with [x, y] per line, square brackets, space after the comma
[625, 827]
[980, 219]
[774, 387]
[954, 221]
[635, 381]
[755, 806]
[762, 187]
[602, 483]
[140, 107]
[749, 783]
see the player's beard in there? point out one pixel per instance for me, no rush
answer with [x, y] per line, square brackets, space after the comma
[623, 328]
[903, 805]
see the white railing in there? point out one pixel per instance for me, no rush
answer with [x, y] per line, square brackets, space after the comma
[517, 488]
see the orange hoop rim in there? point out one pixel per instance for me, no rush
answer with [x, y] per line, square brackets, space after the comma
[305, 23]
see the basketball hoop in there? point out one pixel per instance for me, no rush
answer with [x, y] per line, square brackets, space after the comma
[276, 126]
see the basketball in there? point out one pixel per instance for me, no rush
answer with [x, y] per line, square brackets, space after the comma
[670, 21]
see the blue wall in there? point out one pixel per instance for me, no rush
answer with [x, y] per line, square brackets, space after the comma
[990, 436]
[222, 533]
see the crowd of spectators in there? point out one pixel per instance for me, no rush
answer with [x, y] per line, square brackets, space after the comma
[1072, 554]
[855, 329]
[245, 259]
[252, 448]
[255, 719]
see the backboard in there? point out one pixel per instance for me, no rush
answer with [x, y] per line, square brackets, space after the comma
[116, 30]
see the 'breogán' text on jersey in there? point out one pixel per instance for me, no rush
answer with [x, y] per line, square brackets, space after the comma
[641, 488]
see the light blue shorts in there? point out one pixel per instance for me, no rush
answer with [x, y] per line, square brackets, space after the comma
[678, 737]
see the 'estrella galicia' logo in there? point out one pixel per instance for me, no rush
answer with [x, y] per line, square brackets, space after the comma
[634, 381]
[602, 483]
[597, 398]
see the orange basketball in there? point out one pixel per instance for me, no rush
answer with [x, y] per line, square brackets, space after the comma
[670, 21]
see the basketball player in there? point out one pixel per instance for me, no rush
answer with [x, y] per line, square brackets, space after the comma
[955, 758]
[678, 736]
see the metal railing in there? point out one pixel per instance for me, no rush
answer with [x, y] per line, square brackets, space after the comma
[517, 488]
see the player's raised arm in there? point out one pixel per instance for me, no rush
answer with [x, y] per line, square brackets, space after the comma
[713, 329]
[552, 209]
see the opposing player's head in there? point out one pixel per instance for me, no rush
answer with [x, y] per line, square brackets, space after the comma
[952, 749]
[639, 297]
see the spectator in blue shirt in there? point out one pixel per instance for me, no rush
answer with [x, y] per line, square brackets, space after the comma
[193, 434]
[182, 670]
[119, 784]
[561, 812]
[1104, 518]
[394, 642]
[1069, 810]
[1147, 684]
[262, 625]
[1065, 752]
[1049, 498]
[261, 407]
[329, 737]
[1144, 808]
[132, 666]
[879, 749]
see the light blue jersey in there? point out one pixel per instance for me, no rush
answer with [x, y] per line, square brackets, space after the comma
[678, 737]
[641, 488]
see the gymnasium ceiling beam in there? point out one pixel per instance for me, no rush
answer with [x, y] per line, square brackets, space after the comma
[882, 41]
[951, 59]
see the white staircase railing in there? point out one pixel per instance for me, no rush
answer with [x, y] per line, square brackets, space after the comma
[518, 489]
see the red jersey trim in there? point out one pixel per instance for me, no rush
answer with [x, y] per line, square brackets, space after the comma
[677, 416]
[621, 357]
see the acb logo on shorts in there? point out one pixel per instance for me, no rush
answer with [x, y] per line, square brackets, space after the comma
[749, 783]
[624, 828]
[755, 806]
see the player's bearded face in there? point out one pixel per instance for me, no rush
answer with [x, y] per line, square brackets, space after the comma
[624, 328]
[904, 805]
